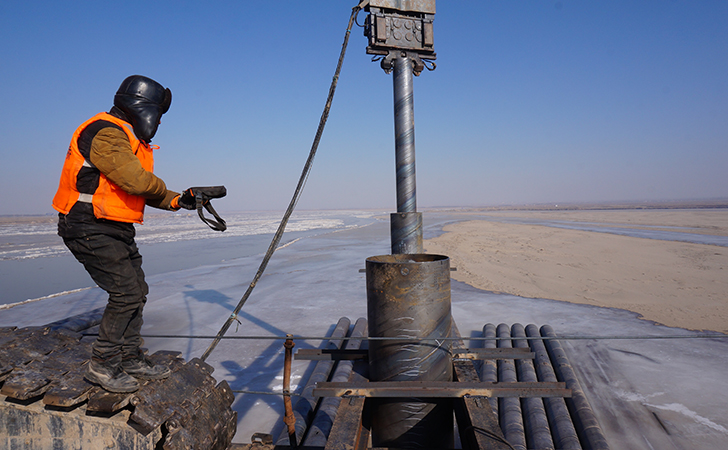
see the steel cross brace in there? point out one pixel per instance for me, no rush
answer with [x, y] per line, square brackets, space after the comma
[463, 353]
[441, 389]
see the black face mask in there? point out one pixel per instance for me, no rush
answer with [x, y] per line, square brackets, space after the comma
[143, 100]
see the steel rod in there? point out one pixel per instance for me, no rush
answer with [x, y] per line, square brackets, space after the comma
[289, 418]
[440, 389]
[406, 224]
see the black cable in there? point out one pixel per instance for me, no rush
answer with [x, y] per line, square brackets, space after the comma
[296, 195]
[356, 20]
[491, 435]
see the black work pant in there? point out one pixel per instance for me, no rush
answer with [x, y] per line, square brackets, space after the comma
[116, 267]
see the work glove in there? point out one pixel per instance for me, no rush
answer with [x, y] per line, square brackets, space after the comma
[187, 200]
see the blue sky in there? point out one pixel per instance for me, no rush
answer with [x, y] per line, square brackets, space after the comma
[531, 102]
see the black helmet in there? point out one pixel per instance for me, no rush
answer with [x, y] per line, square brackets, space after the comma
[143, 100]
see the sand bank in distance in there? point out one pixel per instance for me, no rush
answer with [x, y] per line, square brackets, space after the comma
[673, 283]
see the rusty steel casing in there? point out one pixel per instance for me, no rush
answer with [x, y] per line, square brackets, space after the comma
[408, 296]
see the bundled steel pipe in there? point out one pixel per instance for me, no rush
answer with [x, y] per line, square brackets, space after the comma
[324, 419]
[585, 422]
[538, 433]
[408, 296]
[489, 367]
[509, 408]
[562, 428]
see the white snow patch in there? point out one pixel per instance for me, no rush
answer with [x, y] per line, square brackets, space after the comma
[58, 294]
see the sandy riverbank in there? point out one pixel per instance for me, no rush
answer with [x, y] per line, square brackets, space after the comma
[673, 283]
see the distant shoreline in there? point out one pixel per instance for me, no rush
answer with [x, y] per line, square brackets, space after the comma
[594, 206]
[566, 206]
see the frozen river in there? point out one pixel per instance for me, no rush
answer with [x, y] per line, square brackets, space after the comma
[315, 280]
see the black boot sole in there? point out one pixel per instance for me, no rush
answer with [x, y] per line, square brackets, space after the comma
[93, 380]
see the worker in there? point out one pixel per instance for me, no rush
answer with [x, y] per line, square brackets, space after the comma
[106, 181]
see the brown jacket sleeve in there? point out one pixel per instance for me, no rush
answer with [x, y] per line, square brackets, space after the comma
[111, 153]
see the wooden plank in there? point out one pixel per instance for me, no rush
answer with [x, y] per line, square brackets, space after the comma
[349, 431]
[477, 424]
[346, 430]
[441, 389]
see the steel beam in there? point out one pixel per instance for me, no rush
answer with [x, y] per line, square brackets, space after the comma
[440, 389]
[325, 354]
[493, 353]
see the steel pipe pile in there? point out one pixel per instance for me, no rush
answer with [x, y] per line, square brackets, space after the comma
[406, 223]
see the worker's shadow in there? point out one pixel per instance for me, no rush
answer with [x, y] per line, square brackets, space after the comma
[258, 370]
[192, 298]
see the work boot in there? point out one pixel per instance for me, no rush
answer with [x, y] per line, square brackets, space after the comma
[110, 377]
[140, 367]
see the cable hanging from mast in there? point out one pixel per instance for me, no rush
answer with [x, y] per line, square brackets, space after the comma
[297, 193]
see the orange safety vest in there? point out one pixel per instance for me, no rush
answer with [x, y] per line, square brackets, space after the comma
[109, 200]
